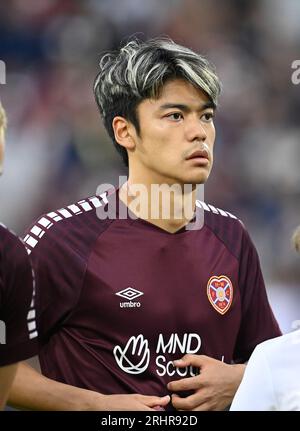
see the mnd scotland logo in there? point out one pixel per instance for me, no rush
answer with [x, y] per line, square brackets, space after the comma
[134, 357]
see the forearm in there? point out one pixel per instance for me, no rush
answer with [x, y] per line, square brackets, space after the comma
[7, 374]
[33, 391]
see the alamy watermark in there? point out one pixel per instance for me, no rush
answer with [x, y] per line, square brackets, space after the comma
[2, 332]
[296, 74]
[156, 202]
[2, 72]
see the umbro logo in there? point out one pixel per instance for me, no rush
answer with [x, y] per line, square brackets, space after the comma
[130, 294]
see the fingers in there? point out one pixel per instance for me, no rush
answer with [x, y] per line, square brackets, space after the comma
[190, 383]
[193, 402]
[159, 408]
[155, 401]
[194, 360]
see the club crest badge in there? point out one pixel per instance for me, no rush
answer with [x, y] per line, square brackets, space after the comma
[220, 293]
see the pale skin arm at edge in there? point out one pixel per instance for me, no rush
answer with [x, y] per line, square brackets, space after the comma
[33, 391]
[7, 374]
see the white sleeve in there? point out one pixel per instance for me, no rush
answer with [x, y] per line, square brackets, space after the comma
[256, 389]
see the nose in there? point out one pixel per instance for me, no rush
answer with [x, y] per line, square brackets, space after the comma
[195, 130]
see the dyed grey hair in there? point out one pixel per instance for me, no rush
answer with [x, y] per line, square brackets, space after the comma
[139, 70]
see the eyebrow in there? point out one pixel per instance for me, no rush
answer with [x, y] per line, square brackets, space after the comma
[186, 108]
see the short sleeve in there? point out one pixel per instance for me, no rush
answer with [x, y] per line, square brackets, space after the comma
[17, 302]
[59, 268]
[258, 322]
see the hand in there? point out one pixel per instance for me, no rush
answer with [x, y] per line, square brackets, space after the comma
[133, 402]
[214, 387]
[138, 347]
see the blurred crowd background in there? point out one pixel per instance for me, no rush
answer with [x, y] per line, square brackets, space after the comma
[58, 150]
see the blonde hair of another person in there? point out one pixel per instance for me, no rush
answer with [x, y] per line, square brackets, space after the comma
[3, 120]
[3, 123]
[296, 239]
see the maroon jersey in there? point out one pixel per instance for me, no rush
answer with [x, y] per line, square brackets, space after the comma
[120, 299]
[18, 331]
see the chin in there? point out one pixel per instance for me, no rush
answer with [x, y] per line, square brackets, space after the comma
[195, 179]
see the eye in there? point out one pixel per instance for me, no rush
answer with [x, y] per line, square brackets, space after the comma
[175, 116]
[208, 117]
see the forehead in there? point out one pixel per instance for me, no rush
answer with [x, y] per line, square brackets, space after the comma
[177, 91]
[179, 88]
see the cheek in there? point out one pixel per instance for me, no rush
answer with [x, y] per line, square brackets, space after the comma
[160, 144]
[211, 134]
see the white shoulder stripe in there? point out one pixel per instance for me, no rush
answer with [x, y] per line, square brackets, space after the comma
[203, 205]
[44, 222]
[38, 230]
[54, 216]
[223, 213]
[104, 197]
[31, 326]
[85, 205]
[31, 316]
[74, 208]
[33, 335]
[65, 213]
[231, 215]
[31, 241]
[96, 202]
[211, 208]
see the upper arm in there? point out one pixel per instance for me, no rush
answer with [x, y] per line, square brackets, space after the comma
[7, 375]
[59, 270]
[258, 322]
[17, 311]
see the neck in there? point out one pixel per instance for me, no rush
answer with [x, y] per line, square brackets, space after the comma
[168, 206]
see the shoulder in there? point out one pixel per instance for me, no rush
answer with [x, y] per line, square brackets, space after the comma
[72, 225]
[279, 345]
[227, 227]
[6, 235]
[12, 248]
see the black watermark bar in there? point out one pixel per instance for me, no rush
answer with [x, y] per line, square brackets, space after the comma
[96, 421]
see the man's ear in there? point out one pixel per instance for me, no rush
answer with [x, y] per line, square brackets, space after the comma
[123, 133]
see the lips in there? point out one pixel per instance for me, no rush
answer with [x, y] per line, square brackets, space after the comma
[199, 154]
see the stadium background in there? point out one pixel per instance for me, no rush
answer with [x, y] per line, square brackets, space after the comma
[58, 150]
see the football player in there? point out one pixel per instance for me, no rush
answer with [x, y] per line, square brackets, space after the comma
[140, 304]
[271, 380]
[18, 332]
